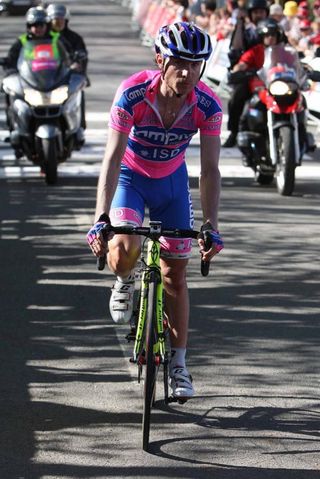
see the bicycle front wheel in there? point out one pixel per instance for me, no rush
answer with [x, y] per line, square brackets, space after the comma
[150, 366]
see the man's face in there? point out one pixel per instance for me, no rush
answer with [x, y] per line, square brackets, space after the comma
[58, 24]
[258, 14]
[38, 29]
[270, 39]
[181, 76]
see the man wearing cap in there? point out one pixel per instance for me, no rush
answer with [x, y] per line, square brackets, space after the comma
[276, 12]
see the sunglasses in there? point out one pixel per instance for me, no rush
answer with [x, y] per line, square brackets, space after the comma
[38, 24]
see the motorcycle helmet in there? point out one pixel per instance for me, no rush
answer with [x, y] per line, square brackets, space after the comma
[183, 40]
[56, 10]
[36, 15]
[270, 26]
[257, 5]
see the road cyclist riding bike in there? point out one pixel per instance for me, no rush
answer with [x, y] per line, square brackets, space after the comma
[154, 115]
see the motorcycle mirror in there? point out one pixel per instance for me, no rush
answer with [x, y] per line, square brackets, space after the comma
[314, 75]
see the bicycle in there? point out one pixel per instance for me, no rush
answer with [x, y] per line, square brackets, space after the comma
[149, 328]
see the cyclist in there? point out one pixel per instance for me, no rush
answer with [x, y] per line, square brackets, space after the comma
[152, 120]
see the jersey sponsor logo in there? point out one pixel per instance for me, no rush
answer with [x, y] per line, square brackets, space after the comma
[155, 153]
[204, 101]
[164, 138]
[135, 94]
[121, 114]
[217, 118]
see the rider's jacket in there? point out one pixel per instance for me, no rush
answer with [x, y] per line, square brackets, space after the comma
[153, 150]
[73, 42]
[24, 40]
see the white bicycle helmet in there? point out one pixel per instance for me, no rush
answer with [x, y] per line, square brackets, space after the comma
[183, 40]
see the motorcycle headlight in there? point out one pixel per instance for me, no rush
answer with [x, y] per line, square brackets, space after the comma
[278, 88]
[59, 95]
[281, 88]
[34, 97]
[38, 98]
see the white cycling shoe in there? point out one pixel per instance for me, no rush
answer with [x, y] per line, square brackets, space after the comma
[121, 300]
[181, 383]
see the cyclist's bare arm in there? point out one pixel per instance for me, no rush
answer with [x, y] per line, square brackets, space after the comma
[108, 180]
[110, 170]
[210, 182]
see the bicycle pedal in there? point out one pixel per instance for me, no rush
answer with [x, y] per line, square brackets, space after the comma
[131, 336]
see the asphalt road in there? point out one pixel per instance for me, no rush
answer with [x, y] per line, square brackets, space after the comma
[70, 406]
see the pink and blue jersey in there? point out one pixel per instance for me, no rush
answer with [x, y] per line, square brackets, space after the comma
[152, 150]
[153, 170]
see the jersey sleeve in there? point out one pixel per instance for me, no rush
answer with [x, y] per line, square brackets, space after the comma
[121, 113]
[210, 107]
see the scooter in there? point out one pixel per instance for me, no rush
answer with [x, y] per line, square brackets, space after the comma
[44, 107]
[273, 134]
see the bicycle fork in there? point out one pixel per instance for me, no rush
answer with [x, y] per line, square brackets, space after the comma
[152, 273]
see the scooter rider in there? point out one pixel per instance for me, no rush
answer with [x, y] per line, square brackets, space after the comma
[37, 28]
[257, 11]
[59, 16]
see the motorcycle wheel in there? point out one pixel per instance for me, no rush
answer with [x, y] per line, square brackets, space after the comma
[285, 173]
[50, 160]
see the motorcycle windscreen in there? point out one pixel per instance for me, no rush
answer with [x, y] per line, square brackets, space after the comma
[281, 62]
[42, 64]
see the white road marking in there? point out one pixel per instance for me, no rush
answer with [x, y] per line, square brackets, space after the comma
[87, 161]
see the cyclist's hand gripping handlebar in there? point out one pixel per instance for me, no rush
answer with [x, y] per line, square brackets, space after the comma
[206, 236]
[210, 237]
[102, 229]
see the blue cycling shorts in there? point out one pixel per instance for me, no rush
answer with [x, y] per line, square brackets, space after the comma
[168, 200]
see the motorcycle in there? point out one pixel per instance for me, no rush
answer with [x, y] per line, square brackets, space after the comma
[44, 107]
[272, 132]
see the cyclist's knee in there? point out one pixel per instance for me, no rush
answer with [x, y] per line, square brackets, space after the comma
[174, 275]
[121, 260]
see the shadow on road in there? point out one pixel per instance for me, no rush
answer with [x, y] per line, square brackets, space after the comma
[255, 324]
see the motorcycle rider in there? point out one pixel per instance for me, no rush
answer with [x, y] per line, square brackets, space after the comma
[59, 16]
[243, 39]
[270, 33]
[37, 27]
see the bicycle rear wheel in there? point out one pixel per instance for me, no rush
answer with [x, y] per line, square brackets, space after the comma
[150, 366]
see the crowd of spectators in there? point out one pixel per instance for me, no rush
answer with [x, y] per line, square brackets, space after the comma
[299, 19]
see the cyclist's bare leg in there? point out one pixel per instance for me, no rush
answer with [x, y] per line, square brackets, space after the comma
[177, 299]
[123, 253]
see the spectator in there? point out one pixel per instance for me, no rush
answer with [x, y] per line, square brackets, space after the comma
[208, 7]
[290, 23]
[306, 33]
[276, 12]
[316, 9]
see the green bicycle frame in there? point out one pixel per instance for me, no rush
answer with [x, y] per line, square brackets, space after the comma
[152, 268]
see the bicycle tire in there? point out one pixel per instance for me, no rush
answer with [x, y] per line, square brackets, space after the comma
[150, 365]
